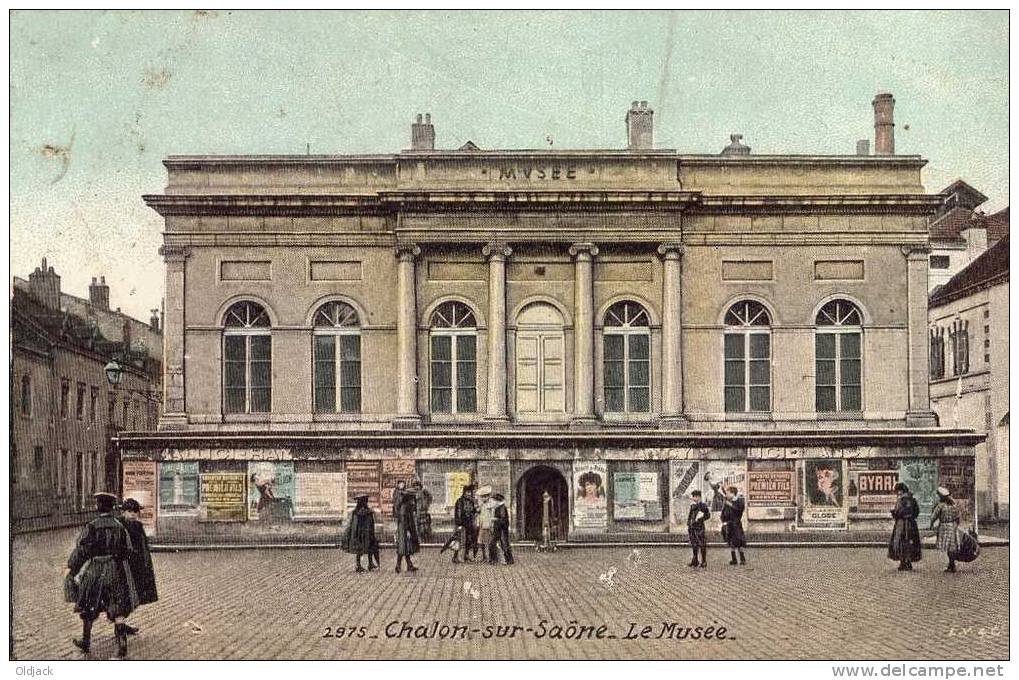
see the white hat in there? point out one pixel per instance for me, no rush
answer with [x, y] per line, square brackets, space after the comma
[486, 490]
[942, 491]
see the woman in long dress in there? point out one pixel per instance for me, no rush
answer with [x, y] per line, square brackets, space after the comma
[904, 544]
[947, 515]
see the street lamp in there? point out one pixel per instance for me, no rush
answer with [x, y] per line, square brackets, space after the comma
[114, 373]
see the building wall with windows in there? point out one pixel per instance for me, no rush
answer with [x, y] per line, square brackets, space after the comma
[529, 319]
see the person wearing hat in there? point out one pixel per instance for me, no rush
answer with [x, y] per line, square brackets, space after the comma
[465, 516]
[139, 561]
[946, 515]
[485, 507]
[699, 513]
[360, 537]
[404, 511]
[904, 545]
[422, 517]
[500, 530]
[100, 556]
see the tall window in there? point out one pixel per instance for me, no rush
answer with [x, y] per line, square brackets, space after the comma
[26, 395]
[79, 409]
[959, 336]
[337, 340]
[247, 359]
[92, 404]
[540, 361]
[627, 358]
[747, 358]
[454, 355]
[111, 409]
[65, 397]
[837, 353]
[37, 458]
[937, 354]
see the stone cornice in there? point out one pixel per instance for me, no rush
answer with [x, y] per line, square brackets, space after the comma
[265, 204]
[839, 204]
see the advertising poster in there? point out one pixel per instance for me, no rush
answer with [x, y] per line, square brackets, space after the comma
[394, 471]
[363, 480]
[434, 484]
[873, 491]
[823, 504]
[271, 490]
[178, 488]
[590, 505]
[684, 477]
[320, 495]
[141, 481]
[224, 496]
[771, 483]
[635, 496]
[718, 475]
[957, 475]
[455, 483]
[921, 476]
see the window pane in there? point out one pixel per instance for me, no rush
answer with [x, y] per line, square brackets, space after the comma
[261, 374]
[261, 347]
[325, 374]
[640, 373]
[640, 399]
[325, 348]
[760, 372]
[825, 399]
[824, 345]
[613, 347]
[261, 400]
[851, 398]
[234, 348]
[734, 345]
[466, 348]
[613, 399]
[234, 402]
[734, 399]
[760, 398]
[441, 348]
[466, 400]
[735, 373]
[442, 374]
[325, 399]
[442, 400]
[850, 370]
[234, 375]
[613, 374]
[466, 374]
[760, 345]
[825, 372]
[350, 399]
[350, 374]
[850, 345]
[640, 346]
[350, 347]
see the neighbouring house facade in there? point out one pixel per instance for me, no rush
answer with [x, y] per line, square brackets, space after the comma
[960, 232]
[64, 412]
[969, 367]
[616, 327]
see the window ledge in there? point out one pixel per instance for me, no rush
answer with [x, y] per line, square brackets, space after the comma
[748, 415]
[840, 415]
[452, 418]
[247, 417]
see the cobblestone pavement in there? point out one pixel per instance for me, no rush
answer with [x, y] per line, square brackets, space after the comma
[796, 603]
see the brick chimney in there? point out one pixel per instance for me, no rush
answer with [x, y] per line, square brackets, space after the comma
[154, 320]
[44, 286]
[884, 124]
[863, 147]
[99, 294]
[640, 126]
[422, 134]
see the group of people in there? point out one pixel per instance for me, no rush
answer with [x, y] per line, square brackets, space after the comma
[905, 545]
[481, 523]
[110, 570]
[732, 506]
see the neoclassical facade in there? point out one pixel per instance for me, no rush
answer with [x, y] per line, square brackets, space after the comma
[616, 327]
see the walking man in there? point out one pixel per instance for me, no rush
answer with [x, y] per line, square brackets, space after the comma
[732, 524]
[101, 555]
[699, 512]
[407, 541]
[140, 560]
[465, 516]
[500, 530]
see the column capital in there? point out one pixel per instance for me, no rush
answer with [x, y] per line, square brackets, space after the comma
[579, 250]
[671, 251]
[496, 250]
[916, 252]
[407, 252]
[174, 253]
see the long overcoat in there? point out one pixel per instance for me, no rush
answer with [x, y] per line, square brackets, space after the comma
[404, 509]
[100, 562]
[732, 523]
[905, 541]
[140, 562]
[360, 538]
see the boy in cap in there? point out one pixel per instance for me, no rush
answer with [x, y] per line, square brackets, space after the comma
[140, 561]
[101, 555]
[699, 512]
[360, 537]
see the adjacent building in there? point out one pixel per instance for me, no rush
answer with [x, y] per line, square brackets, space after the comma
[969, 366]
[616, 327]
[960, 232]
[64, 411]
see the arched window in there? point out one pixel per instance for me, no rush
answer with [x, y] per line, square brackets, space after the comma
[454, 355]
[747, 358]
[627, 358]
[337, 356]
[26, 395]
[247, 359]
[540, 359]
[837, 354]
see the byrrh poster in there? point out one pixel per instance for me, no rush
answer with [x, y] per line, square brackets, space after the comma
[823, 503]
[590, 502]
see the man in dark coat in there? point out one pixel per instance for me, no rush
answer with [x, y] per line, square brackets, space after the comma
[360, 537]
[500, 530]
[699, 513]
[465, 516]
[732, 524]
[407, 541]
[421, 508]
[139, 561]
[904, 544]
[104, 581]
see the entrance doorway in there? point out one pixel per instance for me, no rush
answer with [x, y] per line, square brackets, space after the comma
[529, 491]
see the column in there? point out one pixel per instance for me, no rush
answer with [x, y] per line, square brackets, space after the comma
[919, 413]
[672, 337]
[174, 415]
[407, 415]
[583, 332]
[496, 401]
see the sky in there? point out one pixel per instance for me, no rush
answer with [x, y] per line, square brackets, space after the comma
[98, 99]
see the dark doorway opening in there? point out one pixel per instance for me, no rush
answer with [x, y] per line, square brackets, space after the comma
[529, 491]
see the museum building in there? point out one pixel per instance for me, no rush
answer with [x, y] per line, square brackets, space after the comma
[616, 327]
